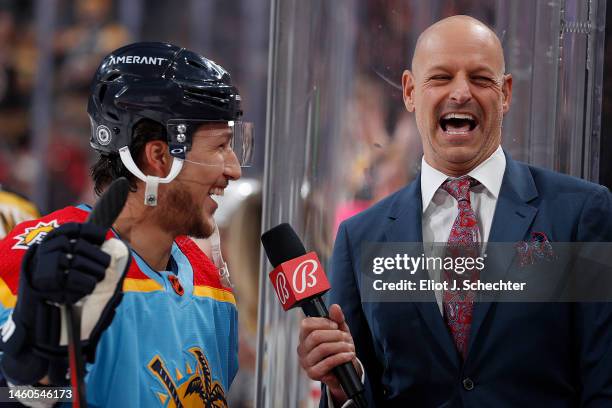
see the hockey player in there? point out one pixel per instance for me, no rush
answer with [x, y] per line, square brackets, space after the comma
[170, 121]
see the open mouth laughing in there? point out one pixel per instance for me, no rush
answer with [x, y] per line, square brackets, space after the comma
[216, 191]
[458, 123]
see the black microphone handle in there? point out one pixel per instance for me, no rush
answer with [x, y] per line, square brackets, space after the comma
[345, 373]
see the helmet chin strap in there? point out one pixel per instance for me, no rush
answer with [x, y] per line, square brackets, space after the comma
[151, 182]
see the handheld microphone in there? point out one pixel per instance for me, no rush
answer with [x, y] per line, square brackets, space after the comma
[299, 280]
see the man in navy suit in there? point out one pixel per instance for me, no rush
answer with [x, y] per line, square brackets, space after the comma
[507, 354]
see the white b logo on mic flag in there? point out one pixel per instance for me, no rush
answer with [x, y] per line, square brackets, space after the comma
[281, 288]
[302, 270]
[298, 279]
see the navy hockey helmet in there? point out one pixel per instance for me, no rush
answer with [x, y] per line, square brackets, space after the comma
[158, 81]
[167, 84]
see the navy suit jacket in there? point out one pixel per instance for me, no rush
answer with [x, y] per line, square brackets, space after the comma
[520, 354]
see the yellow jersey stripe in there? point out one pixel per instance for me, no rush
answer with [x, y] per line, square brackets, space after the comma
[149, 285]
[214, 293]
[141, 285]
[7, 298]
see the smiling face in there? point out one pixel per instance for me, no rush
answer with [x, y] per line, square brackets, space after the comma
[188, 206]
[459, 93]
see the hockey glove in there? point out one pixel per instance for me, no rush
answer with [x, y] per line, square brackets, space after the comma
[65, 267]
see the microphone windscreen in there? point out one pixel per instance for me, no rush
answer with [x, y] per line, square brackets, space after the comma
[281, 244]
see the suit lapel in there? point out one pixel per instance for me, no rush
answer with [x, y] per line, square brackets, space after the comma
[407, 213]
[511, 222]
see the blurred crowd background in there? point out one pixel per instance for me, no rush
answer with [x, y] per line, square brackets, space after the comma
[49, 50]
[58, 44]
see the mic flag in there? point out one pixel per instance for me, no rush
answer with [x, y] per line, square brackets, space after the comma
[298, 279]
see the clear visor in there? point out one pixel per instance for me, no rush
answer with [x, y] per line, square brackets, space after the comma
[228, 142]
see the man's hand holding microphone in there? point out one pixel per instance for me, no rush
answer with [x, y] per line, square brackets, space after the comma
[326, 350]
[324, 345]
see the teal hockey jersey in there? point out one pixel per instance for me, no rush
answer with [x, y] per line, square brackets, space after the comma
[174, 339]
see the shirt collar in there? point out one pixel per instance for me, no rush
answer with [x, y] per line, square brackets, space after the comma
[431, 180]
[489, 173]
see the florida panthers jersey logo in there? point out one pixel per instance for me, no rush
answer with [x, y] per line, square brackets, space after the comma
[34, 235]
[193, 389]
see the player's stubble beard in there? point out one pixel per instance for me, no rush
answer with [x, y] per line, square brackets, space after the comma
[180, 214]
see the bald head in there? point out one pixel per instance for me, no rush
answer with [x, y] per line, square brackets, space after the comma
[459, 92]
[458, 28]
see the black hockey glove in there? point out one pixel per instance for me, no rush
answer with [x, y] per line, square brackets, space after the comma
[66, 266]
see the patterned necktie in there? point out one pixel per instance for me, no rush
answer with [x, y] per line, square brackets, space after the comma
[463, 241]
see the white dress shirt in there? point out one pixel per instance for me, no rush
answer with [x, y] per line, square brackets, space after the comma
[440, 210]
